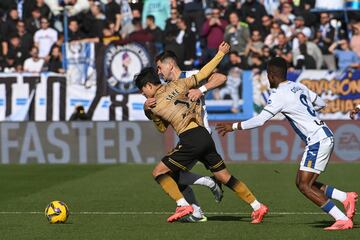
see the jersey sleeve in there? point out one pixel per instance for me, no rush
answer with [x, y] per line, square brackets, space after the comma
[190, 82]
[257, 121]
[274, 104]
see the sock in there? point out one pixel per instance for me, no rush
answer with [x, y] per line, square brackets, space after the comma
[334, 193]
[241, 190]
[330, 208]
[255, 205]
[197, 211]
[170, 187]
[205, 181]
[182, 202]
[189, 195]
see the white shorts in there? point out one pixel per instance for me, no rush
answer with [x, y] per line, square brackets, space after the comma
[317, 155]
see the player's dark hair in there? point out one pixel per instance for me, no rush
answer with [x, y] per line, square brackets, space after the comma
[166, 55]
[147, 75]
[278, 66]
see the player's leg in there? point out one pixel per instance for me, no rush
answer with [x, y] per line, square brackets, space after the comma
[305, 183]
[198, 214]
[168, 184]
[190, 178]
[348, 199]
[242, 191]
[314, 162]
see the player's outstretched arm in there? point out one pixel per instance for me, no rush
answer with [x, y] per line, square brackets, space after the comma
[254, 122]
[210, 66]
[355, 111]
[317, 102]
[215, 80]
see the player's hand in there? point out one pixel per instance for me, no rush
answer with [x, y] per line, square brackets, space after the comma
[194, 94]
[354, 112]
[224, 128]
[150, 103]
[224, 47]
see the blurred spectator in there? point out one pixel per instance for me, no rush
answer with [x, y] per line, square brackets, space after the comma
[9, 64]
[55, 62]
[257, 62]
[33, 23]
[254, 46]
[293, 30]
[285, 16]
[187, 40]
[45, 37]
[160, 9]
[109, 34]
[355, 39]
[74, 7]
[113, 13]
[26, 38]
[226, 7]
[251, 11]
[312, 50]
[235, 60]
[34, 64]
[271, 39]
[170, 26]
[194, 13]
[231, 88]
[324, 37]
[16, 50]
[283, 49]
[95, 21]
[156, 32]
[9, 26]
[237, 34]
[266, 54]
[127, 15]
[266, 26]
[304, 60]
[74, 32]
[79, 114]
[304, 9]
[346, 57]
[213, 31]
[43, 8]
[271, 6]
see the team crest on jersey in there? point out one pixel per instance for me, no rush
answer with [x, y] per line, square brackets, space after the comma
[122, 62]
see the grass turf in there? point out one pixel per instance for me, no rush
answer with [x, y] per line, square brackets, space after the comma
[106, 191]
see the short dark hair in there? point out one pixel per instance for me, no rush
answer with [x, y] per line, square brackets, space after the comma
[136, 21]
[150, 17]
[147, 75]
[166, 55]
[278, 66]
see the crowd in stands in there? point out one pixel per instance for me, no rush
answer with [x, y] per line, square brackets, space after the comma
[32, 32]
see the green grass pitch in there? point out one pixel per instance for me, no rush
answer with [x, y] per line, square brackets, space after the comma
[124, 202]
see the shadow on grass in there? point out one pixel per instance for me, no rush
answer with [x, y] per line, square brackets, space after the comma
[235, 218]
[324, 224]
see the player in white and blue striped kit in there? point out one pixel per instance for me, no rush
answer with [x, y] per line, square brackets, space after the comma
[300, 105]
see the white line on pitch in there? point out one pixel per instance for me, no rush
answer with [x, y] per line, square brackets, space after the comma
[165, 213]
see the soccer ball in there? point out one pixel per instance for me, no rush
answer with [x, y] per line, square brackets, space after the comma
[57, 212]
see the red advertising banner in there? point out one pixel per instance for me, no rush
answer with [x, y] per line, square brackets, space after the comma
[276, 141]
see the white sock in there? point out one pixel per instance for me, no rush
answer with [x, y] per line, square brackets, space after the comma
[338, 195]
[336, 213]
[334, 193]
[255, 205]
[330, 208]
[205, 181]
[197, 211]
[182, 202]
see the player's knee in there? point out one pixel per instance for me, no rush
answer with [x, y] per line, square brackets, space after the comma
[303, 187]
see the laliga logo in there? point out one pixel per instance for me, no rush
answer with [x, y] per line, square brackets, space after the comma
[347, 142]
[122, 63]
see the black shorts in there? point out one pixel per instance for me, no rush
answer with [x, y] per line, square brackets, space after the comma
[194, 144]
